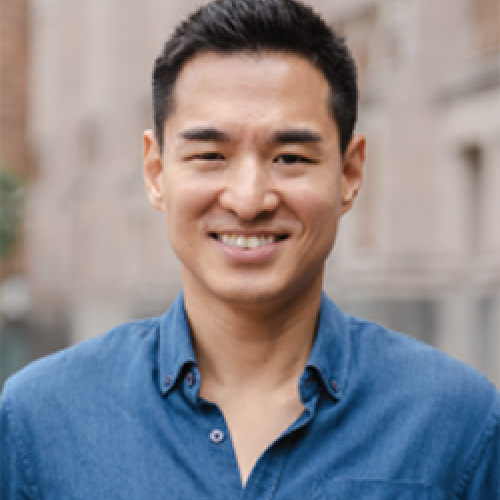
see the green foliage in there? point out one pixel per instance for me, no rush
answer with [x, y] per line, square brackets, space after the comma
[10, 210]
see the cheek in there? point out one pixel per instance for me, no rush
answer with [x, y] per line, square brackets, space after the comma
[187, 201]
[318, 209]
[317, 205]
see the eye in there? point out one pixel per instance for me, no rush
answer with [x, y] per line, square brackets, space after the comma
[291, 159]
[209, 157]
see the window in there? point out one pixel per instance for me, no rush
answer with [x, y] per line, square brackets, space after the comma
[473, 162]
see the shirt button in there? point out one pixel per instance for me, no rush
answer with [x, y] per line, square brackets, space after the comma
[335, 386]
[168, 379]
[216, 436]
[190, 379]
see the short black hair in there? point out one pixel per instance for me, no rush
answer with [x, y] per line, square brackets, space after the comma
[254, 26]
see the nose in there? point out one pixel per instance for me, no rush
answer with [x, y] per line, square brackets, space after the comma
[249, 190]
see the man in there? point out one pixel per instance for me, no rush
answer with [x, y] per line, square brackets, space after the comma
[253, 385]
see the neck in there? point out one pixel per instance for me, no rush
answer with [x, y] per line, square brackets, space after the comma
[259, 346]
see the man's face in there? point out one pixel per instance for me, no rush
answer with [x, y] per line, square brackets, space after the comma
[251, 179]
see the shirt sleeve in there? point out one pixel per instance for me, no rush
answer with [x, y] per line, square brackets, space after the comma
[14, 466]
[484, 478]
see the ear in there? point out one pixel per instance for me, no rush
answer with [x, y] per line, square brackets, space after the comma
[352, 170]
[153, 170]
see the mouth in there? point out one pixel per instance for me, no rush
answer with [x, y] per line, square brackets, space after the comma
[248, 242]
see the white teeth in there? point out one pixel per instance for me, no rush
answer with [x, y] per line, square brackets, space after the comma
[253, 242]
[247, 242]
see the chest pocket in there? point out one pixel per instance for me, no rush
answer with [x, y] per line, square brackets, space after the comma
[347, 489]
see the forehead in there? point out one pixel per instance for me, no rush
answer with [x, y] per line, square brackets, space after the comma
[252, 88]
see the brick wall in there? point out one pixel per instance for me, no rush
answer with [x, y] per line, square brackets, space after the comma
[14, 150]
[485, 15]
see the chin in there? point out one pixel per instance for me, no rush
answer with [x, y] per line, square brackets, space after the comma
[250, 295]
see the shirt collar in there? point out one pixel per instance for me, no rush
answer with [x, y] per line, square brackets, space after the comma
[331, 350]
[175, 349]
[329, 356]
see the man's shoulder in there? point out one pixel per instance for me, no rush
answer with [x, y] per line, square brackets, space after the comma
[88, 363]
[416, 369]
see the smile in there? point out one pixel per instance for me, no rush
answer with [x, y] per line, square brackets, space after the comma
[247, 242]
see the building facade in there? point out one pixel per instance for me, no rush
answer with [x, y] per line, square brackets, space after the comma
[14, 147]
[16, 170]
[420, 252]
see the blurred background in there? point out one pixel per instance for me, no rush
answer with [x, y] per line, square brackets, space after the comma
[81, 250]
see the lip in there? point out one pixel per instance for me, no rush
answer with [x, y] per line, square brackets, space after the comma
[248, 233]
[249, 255]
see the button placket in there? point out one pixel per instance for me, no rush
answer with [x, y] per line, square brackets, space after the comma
[190, 379]
[216, 436]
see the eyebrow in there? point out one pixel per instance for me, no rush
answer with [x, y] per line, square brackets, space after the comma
[291, 136]
[296, 136]
[205, 134]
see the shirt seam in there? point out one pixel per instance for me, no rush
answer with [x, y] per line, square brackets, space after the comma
[377, 480]
[23, 455]
[348, 354]
[472, 463]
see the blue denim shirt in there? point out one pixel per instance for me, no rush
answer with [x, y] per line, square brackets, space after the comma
[119, 417]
